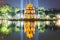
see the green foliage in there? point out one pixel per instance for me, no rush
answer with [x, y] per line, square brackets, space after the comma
[7, 10]
[41, 12]
[17, 29]
[41, 9]
[4, 12]
[5, 30]
[41, 26]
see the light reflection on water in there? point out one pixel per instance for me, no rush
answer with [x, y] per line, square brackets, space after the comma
[21, 34]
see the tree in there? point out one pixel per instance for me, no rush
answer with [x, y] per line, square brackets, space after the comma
[41, 24]
[5, 11]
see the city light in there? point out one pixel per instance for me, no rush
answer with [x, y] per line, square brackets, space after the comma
[58, 21]
[58, 16]
[47, 22]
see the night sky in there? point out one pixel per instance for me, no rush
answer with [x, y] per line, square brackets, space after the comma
[45, 3]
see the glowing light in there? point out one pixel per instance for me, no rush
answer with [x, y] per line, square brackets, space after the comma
[21, 15]
[47, 17]
[29, 6]
[19, 23]
[58, 15]
[29, 27]
[54, 18]
[47, 22]
[17, 16]
[58, 23]
[27, 16]
[29, 35]
[9, 22]
[22, 23]
[9, 17]
[38, 16]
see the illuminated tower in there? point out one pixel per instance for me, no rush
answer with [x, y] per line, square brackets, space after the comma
[1, 3]
[29, 26]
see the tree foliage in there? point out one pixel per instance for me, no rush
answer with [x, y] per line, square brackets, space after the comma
[5, 11]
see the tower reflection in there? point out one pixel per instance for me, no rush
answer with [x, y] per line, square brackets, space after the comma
[29, 26]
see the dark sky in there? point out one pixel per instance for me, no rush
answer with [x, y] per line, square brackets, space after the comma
[45, 3]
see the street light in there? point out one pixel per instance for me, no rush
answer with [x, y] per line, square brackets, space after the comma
[47, 22]
[58, 21]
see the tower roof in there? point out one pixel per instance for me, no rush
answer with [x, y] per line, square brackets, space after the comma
[29, 5]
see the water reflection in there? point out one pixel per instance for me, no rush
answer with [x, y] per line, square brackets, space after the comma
[29, 28]
[24, 28]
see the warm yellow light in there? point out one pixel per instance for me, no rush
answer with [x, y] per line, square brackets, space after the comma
[27, 16]
[47, 22]
[58, 15]
[58, 23]
[26, 26]
[29, 27]
[47, 17]
[32, 11]
[29, 35]
[29, 5]
[33, 30]
[54, 21]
